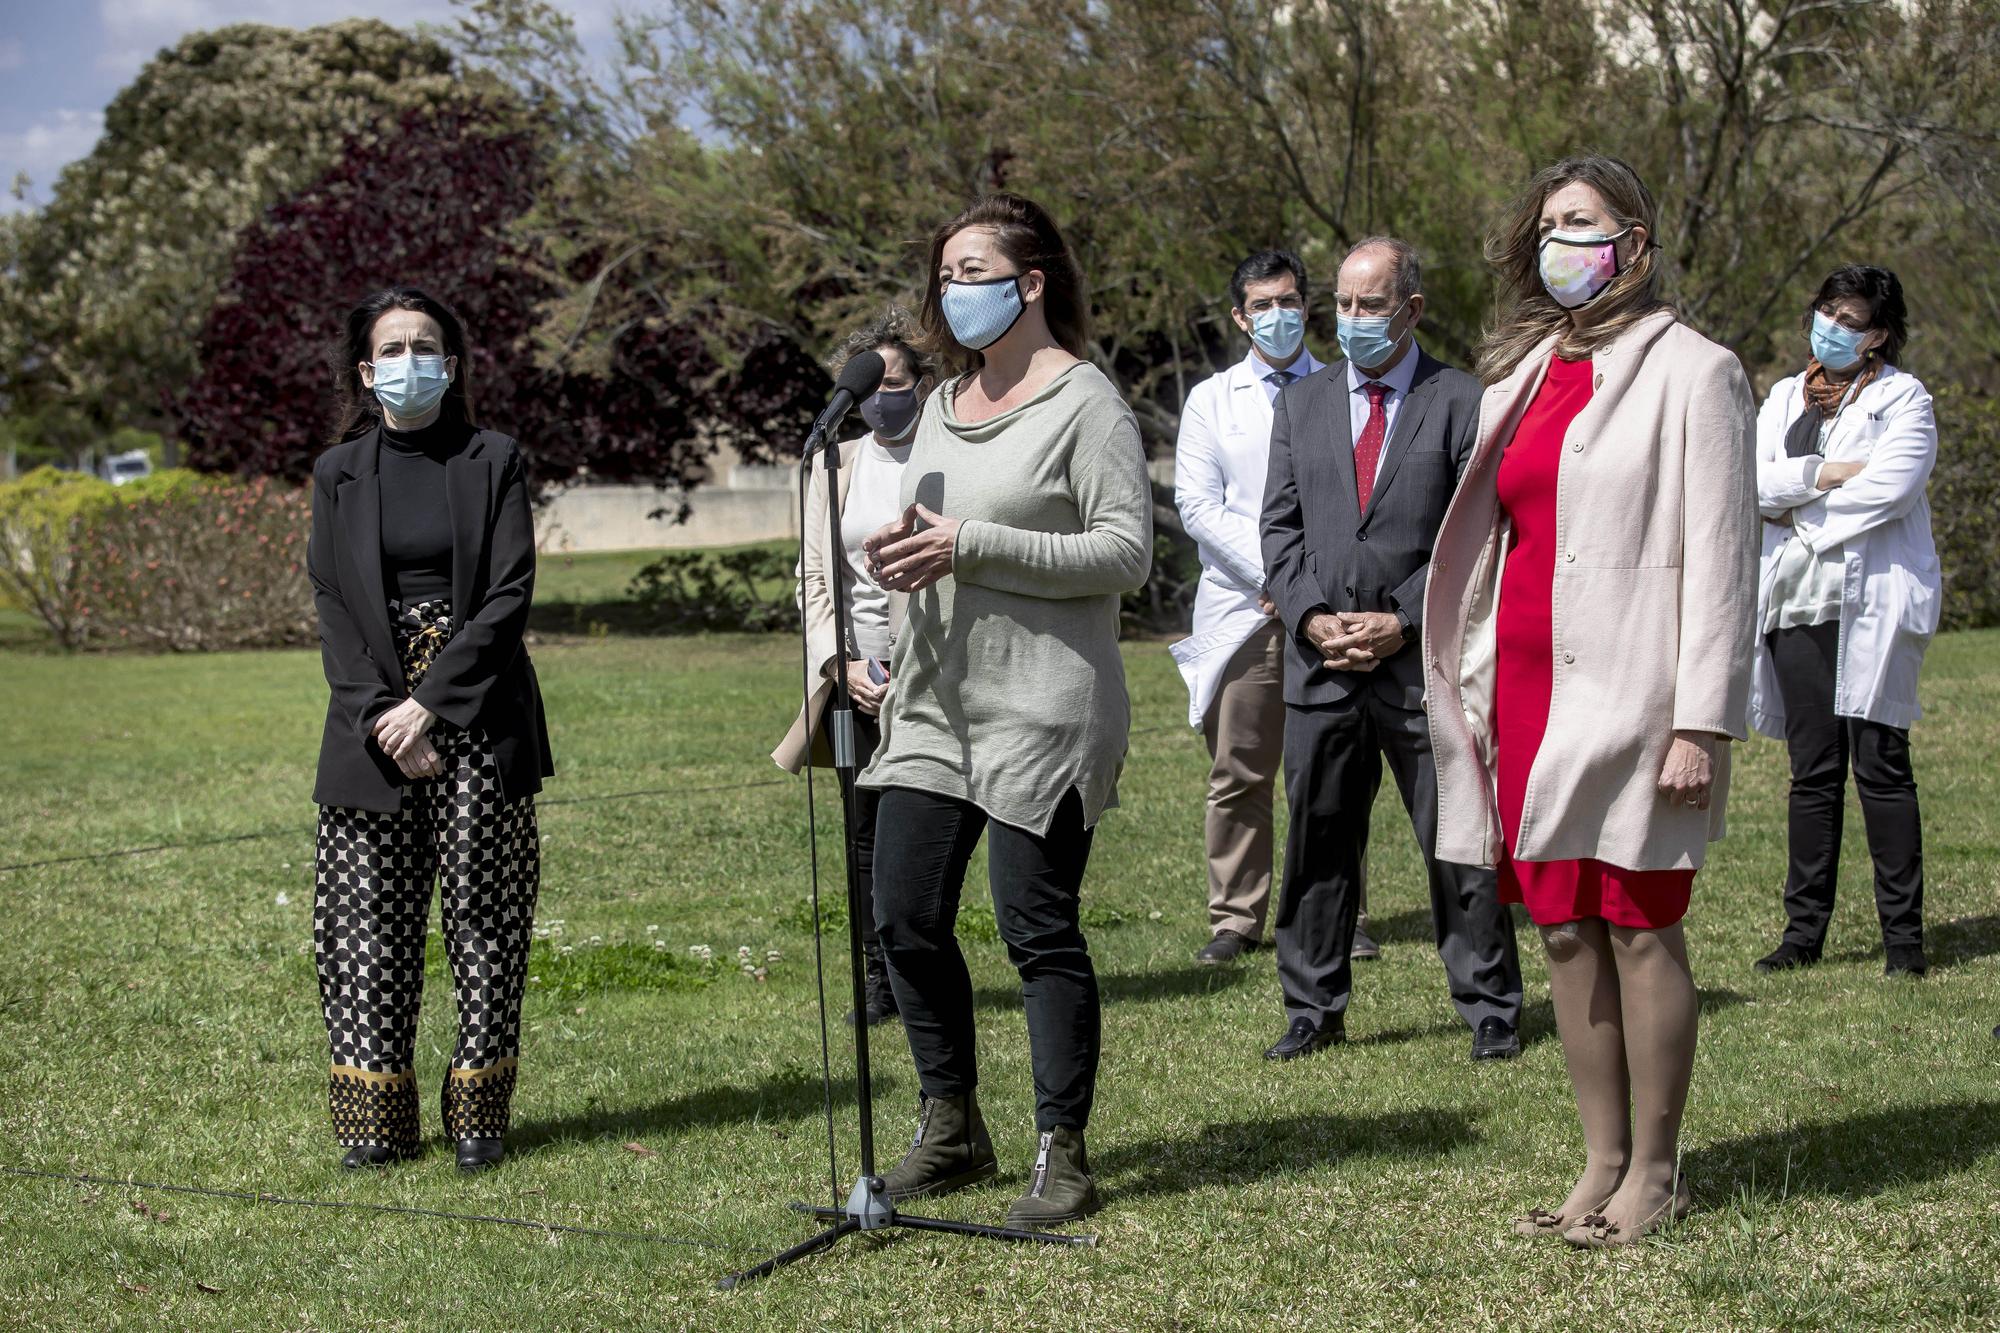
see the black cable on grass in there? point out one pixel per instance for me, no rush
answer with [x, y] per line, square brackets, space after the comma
[812, 841]
[526, 1223]
[300, 831]
[232, 838]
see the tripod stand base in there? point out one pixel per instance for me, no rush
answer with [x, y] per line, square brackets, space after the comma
[878, 1215]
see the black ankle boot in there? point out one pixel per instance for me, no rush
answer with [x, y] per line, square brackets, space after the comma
[878, 995]
[475, 1155]
[372, 1155]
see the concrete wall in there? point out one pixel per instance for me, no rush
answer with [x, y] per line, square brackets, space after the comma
[749, 504]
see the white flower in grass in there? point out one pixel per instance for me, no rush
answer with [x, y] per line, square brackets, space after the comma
[597, 939]
[284, 900]
[743, 952]
[772, 955]
[652, 930]
[568, 949]
[659, 945]
[701, 952]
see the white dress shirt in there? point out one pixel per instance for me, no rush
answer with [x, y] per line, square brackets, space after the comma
[1220, 464]
[1399, 378]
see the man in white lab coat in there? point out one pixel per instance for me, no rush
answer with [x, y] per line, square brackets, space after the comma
[1234, 659]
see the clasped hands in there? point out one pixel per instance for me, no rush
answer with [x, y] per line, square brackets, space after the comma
[404, 735]
[1354, 640]
[903, 559]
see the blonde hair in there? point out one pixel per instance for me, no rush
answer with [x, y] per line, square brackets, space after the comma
[1526, 314]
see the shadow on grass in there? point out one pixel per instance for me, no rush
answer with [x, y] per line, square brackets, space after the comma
[1241, 1152]
[1135, 987]
[619, 616]
[1855, 1158]
[790, 1096]
[1963, 939]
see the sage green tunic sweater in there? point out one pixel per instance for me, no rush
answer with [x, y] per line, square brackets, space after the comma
[1008, 688]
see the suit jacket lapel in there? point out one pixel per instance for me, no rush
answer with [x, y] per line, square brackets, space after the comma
[361, 527]
[468, 489]
[1340, 424]
[1409, 418]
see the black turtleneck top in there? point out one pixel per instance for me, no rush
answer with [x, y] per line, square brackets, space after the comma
[416, 515]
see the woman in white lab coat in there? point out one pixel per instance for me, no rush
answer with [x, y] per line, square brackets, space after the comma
[1848, 600]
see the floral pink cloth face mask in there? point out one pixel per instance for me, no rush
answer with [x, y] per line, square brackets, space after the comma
[1578, 265]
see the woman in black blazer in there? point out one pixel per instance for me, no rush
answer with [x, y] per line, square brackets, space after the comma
[422, 563]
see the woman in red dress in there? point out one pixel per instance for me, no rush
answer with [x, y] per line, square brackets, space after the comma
[1587, 638]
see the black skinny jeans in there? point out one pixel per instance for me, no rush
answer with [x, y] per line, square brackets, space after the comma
[1822, 747]
[920, 861]
[866, 800]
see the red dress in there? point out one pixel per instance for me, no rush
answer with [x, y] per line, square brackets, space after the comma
[1524, 680]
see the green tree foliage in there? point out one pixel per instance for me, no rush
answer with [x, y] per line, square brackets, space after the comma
[102, 291]
[1171, 136]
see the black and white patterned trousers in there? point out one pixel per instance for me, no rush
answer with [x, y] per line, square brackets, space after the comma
[371, 913]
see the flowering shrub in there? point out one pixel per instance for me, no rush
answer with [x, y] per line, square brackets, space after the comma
[40, 515]
[183, 563]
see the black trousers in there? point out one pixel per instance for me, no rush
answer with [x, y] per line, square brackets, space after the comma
[1823, 746]
[1333, 768]
[865, 802]
[920, 861]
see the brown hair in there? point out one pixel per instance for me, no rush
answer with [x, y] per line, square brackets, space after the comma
[1026, 234]
[891, 330]
[1526, 313]
[356, 410]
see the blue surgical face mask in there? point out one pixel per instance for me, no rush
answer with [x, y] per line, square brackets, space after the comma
[1837, 347]
[980, 313]
[410, 385]
[1278, 333]
[1365, 340]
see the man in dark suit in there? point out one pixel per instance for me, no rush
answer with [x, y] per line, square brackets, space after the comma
[1365, 455]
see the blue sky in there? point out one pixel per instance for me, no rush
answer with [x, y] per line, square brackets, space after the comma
[62, 61]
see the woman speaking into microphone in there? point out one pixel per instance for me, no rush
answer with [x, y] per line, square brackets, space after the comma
[1027, 513]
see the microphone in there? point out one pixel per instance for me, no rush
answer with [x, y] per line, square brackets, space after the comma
[859, 378]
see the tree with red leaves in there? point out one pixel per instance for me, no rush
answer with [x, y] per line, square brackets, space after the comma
[431, 207]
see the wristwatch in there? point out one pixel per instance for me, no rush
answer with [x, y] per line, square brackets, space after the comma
[1409, 628]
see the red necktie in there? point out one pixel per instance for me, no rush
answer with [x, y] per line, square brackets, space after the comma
[1368, 449]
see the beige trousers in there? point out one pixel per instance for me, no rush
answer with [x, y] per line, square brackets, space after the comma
[1245, 731]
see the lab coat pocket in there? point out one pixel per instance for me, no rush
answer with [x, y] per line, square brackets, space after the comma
[1920, 600]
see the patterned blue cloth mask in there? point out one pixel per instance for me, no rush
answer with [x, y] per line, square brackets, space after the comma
[410, 385]
[980, 313]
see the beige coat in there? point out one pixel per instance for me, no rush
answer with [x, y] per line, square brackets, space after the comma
[816, 605]
[1654, 607]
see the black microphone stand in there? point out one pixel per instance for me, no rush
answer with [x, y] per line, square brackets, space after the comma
[868, 1207]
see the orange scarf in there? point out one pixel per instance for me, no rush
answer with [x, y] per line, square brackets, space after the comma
[1826, 391]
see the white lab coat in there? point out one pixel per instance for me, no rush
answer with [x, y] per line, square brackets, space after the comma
[1220, 462]
[1879, 520]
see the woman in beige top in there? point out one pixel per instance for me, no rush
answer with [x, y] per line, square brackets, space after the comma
[1587, 646]
[1029, 514]
[870, 486]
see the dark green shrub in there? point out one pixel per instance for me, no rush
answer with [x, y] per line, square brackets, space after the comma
[1965, 507]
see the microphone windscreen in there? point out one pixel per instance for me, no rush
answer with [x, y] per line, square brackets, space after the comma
[862, 375]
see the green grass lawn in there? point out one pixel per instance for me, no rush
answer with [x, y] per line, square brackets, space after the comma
[159, 1021]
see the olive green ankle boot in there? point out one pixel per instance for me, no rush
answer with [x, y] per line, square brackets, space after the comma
[951, 1150]
[1060, 1189]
